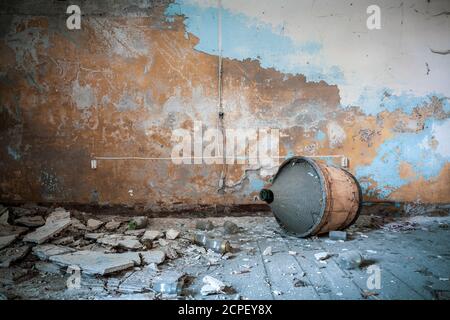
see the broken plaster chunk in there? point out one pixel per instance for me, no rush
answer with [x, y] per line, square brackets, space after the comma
[64, 241]
[55, 223]
[350, 259]
[4, 215]
[322, 256]
[92, 262]
[93, 224]
[205, 225]
[138, 281]
[212, 286]
[170, 252]
[152, 235]
[337, 235]
[119, 240]
[112, 225]
[267, 251]
[172, 234]
[138, 223]
[78, 224]
[45, 251]
[94, 235]
[10, 255]
[137, 233]
[47, 267]
[153, 256]
[30, 221]
[230, 227]
[7, 240]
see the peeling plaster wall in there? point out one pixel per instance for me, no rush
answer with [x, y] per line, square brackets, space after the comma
[137, 70]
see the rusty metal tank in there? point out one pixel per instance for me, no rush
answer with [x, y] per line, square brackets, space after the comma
[309, 197]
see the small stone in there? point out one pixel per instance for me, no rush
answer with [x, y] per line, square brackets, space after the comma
[112, 225]
[337, 235]
[212, 286]
[292, 253]
[300, 283]
[350, 259]
[45, 251]
[230, 227]
[7, 240]
[205, 225]
[153, 256]
[93, 224]
[322, 256]
[172, 234]
[170, 252]
[152, 235]
[138, 223]
[267, 251]
[163, 242]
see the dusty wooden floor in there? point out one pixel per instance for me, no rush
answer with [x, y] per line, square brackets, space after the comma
[412, 256]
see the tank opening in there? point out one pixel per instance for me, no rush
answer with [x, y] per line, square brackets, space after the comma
[266, 195]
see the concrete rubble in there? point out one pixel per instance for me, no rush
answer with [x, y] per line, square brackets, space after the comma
[112, 225]
[119, 240]
[12, 254]
[93, 224]
[153, 256]
[322, 256]
[30, 221]
[55, 223]
[7, 240]
[212, 286]
[4, 215]
[267, 251]
[118, 261]
[205, 225]
[230, 227]
[96, 262]
[45, 251]
[350, 259]
[47, 267]
[172, 234]
[138, 223]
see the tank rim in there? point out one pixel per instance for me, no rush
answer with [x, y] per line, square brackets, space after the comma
[322, 184]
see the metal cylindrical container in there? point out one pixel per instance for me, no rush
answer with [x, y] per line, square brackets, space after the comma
[308, 197]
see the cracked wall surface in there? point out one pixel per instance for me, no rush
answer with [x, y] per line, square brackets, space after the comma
[137, 70]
